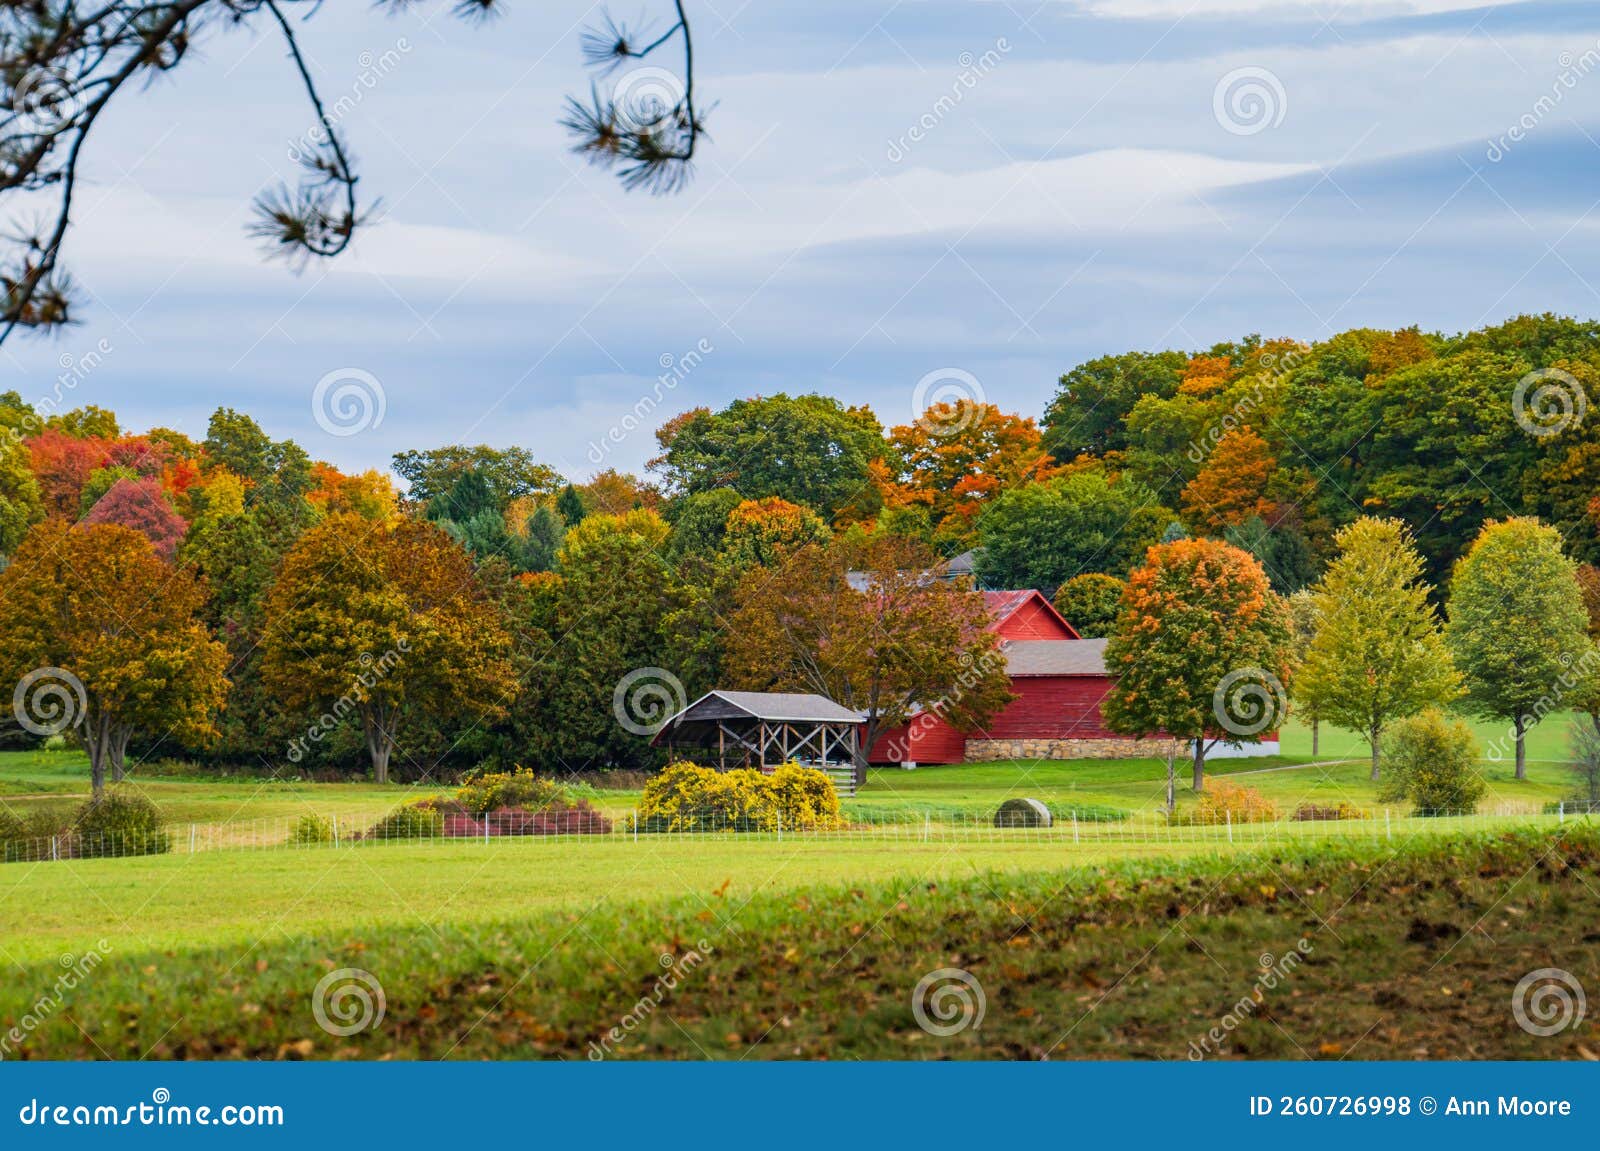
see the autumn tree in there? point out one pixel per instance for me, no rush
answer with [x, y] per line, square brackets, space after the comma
[1232, 486]
[141, 505]
[1378, 653]
[104, 638]
[958, 457]
[1041, 535]
[387, 620]
[1201, 649]
[760, 533]
[20, 503]
[1517, 626]
[899, 644]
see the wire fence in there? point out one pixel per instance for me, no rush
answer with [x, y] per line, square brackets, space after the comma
[363, 830]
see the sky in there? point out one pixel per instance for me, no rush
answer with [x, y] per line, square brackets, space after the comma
[898, 202]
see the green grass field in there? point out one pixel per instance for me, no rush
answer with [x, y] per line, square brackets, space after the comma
[1374, 953]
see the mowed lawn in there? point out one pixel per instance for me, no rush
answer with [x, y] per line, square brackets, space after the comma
[247, 899]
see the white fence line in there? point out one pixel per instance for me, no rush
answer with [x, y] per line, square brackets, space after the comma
[350, 829]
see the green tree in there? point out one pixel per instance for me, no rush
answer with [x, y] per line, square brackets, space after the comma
[509, 472]
[1378, 653]
[1041, 535]
[543, 543]
[275, 472]
[1090, 603]
[384, 620]
[20, 504]
[101, 636]
[1517, 626]
[809, 450]
[699, 521]
[1088, 412]
[1201, 650]
[608, 619]
[570, 504]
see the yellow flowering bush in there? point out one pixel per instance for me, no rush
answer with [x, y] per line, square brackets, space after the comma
[1224, 802]
[688, 797]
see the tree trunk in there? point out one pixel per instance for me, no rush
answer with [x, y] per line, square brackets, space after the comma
[1373, 736]
[1200, 763]
[381, 726]
[97, 741]
[1314, 724]
[1522, 749]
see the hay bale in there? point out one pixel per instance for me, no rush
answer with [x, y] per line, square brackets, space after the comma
[1023, 813]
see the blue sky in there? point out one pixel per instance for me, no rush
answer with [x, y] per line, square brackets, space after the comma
[1094, 188]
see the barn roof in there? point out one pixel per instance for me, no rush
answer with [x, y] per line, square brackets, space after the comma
[1056, 657]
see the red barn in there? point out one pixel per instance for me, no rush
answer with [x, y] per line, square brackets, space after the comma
[1060, 680]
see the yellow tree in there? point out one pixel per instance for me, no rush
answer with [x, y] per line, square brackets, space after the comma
[98, 634]
[383, 620]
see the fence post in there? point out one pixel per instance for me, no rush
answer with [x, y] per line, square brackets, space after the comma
[780, 827]
[1074, 825]
[1561, 812]
[1229, 816]
[636, 825]
[1388, 832]
[927, 820]
[336, 831]
[191, 839]
[54, 855]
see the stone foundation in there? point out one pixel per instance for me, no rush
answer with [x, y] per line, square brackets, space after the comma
[984, 750]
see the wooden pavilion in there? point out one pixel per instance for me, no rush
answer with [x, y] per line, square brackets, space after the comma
[764, 730]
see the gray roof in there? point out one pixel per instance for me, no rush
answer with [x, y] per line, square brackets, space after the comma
[783, 706]
[1056, 657]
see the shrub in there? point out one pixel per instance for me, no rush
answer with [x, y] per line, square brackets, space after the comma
[1429, 760]
[688, 797]
[1316, 812]
[501, 789]
[1022, 813]
[805, 797]
[1224, 802]
[412, 821]
[311, 830]
[579, 818]
[27, 837]
[117, 824]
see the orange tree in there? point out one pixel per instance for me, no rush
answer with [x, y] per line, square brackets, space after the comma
[887, 644]
[1201, 649]
[99, 634]
[384, 620]
[959, 456]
